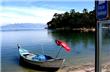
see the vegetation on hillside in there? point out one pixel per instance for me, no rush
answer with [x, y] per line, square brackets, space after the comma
[72, 20]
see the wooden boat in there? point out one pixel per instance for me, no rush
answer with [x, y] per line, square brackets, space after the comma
[39, 59]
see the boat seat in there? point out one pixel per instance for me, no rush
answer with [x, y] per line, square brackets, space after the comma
[48, 57]
[26, 55]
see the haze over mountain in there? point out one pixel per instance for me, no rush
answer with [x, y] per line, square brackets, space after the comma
[23, 26]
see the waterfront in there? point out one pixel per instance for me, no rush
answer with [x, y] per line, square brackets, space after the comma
[82, 47]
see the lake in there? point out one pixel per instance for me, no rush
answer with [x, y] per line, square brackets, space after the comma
[82, 47]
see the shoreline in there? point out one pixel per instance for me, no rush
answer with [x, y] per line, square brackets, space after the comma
[76, 29]
[84, 68]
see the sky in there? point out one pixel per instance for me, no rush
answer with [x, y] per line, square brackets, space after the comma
[38, 11]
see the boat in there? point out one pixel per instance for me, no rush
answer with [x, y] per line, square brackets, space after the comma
[40, 60]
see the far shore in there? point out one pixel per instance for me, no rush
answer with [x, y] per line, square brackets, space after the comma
[77, 29]
[85, 68]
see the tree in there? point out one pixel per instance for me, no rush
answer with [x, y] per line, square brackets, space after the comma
[85, 11]
[73, 19]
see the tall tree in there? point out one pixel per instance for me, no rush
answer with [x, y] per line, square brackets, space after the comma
[73, 19]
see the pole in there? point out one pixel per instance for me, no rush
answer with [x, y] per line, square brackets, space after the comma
[98, 47]
[58, 52]
[42, 50]
[18, 46]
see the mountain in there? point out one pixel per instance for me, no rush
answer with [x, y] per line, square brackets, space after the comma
[23, 26]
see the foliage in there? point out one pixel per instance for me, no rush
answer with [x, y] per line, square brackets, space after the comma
[72, 19]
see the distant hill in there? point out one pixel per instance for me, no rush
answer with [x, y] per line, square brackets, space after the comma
[24, 26]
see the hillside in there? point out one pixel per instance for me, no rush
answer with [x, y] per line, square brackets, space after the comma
[24, 26]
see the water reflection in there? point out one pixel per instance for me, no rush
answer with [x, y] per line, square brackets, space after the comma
[73, 37]
[105, 45]
[82, 44]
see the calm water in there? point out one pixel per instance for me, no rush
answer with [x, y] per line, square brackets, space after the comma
[82, 47]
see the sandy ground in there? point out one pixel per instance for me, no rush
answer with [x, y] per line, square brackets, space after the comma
[84, 68]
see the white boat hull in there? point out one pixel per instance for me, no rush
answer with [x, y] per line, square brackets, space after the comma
[54, 63]
[27, 57]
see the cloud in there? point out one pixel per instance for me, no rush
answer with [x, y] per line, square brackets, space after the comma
[37, 11]
[26, 15]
